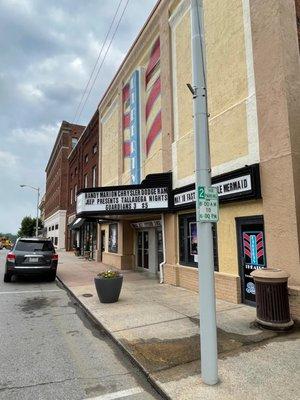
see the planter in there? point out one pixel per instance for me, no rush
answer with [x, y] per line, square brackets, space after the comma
[87, 254]
[108, 289]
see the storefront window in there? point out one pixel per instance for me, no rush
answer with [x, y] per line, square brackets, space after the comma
[188, 241]
[113, 238]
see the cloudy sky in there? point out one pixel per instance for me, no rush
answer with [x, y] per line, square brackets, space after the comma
[48, 50]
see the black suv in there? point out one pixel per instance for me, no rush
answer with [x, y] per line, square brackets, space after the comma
[31, 256]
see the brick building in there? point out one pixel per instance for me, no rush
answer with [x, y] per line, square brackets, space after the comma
[83, 164]
[56, 196]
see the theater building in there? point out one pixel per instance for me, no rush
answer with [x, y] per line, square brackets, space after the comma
[83, 166]
[145, 200]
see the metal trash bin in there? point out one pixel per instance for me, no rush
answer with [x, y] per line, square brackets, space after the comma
[272, 302]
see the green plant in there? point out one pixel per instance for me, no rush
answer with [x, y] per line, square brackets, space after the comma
[109, 274]
[87, 246]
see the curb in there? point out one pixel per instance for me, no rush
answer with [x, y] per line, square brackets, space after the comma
[148, 376]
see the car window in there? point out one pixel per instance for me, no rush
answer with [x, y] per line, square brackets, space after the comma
[27, 245]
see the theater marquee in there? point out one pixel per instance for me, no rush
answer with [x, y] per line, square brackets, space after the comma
[126, 199]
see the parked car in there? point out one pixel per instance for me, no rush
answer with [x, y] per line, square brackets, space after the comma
[31, 256]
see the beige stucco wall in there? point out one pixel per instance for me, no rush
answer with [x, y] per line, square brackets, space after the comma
[277, 75]
[110, 145]
[227, 82]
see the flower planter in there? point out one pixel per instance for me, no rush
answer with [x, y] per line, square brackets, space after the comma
[87, 254]
[108, 289]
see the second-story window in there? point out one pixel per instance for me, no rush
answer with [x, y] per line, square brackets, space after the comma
[75, 193]
[85, 181]
[95, 149]
[86, 158]
[71, 196]
[74, 142]
[94, 176]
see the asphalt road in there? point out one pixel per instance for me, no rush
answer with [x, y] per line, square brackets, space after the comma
[50, 350]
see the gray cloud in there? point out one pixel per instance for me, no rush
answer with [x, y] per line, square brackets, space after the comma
[48, 51]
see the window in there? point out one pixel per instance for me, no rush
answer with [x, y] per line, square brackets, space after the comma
[94, 176]
[71, 175]
[34, 245]
[95, 149]
[74, 142]
[85, 181]
[86, 158]
[188, 241]
[55, 240]
[56, 226]
[76, 171]
[113, 238]
[75, 193]
[71, 196]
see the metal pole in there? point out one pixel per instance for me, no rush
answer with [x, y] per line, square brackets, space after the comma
[208, 328]
[37, 213]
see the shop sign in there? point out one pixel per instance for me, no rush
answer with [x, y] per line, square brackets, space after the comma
[241, 184]
[135, 128]
[235, 185]
[146, 224]
[230, 186]
[208, 204]
[123, 200]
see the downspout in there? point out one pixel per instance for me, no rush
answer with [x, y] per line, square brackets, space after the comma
[161, 265]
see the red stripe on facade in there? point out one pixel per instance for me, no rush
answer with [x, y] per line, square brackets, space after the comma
[153, 132]
[154, 93]
[126, 148]
[260, 253]
[126, 92]
[154, 58]
[126, 120]
[247, 252]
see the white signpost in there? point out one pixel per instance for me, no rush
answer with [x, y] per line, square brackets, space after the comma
[208, 204]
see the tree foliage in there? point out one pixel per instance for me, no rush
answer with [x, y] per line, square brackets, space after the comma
[27, 228]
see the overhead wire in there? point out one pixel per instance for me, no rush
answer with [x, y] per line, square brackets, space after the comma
[98, 58]
[103, 59]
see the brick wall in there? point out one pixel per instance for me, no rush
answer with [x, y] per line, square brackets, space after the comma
[57, 168]
[228, 287]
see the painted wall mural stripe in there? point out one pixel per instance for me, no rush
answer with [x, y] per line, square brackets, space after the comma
[153, 132]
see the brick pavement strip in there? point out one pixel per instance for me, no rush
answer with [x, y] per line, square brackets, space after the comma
[158, 327]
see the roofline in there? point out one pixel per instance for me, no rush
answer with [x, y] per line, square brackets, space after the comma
[83, 132]
[129, 51]
[65, 124]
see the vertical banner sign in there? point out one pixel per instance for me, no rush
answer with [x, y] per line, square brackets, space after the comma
[135, 128]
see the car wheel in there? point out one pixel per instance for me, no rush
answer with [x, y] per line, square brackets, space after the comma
[7, 277]
[51, 276]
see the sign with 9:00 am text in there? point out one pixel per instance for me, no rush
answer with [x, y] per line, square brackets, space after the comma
[208, 204]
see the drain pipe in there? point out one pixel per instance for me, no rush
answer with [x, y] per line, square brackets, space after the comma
[161, 265]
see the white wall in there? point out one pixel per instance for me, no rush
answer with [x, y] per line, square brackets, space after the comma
[58, 218]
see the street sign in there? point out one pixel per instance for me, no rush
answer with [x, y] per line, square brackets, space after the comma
[208, 204]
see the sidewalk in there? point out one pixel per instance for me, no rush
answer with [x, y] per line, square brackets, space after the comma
[158, 325]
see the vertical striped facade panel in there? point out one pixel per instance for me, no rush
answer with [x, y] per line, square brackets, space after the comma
[153, 97]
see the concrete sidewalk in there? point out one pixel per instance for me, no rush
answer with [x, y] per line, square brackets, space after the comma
[158, 326]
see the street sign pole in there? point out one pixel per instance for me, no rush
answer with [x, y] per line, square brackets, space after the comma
[208, 328]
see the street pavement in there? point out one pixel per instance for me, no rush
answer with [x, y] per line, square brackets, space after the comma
[158, 325]
[50, 350]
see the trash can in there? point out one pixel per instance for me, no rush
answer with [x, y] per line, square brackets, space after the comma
[272, 302]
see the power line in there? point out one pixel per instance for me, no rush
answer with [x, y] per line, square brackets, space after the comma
[102, 62]
[99, 55]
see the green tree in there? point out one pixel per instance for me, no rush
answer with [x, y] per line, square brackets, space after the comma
[27, 228]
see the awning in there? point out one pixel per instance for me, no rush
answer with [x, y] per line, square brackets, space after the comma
[77, 223]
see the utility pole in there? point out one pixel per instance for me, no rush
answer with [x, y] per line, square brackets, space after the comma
[37, 207]
[37, 213]
[208, 327]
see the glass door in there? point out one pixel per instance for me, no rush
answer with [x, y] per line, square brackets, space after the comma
[143, 249]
